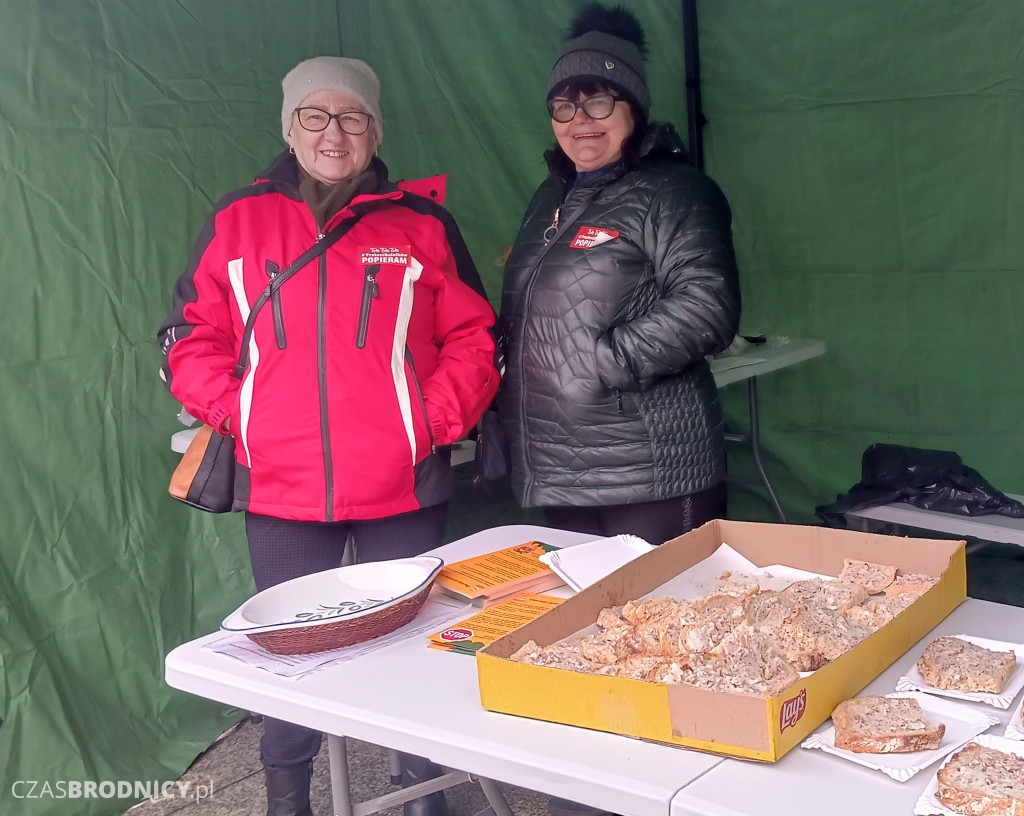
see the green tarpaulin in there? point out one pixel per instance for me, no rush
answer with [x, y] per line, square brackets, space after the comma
[871, 153]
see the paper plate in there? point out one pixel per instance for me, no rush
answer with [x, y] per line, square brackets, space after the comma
[962, 724]
[928, 805]
[913, 681]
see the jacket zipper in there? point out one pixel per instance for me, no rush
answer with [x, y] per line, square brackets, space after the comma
[423, 405]
[370, 293]
[549, 233]
[275, 304]
[321, 356]
[524, 298]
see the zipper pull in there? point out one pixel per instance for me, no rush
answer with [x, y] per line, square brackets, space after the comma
[549, 233]
[275, 304]
[371, 291]
[618, 399]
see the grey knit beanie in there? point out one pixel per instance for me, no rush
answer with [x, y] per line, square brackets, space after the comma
[606, 59]
[350, 76]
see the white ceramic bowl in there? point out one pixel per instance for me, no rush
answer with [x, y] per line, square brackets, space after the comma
[338, 607]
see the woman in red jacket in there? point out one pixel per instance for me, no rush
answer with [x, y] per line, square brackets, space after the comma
[364, 367]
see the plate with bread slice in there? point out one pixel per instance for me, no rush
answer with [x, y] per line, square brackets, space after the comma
[968, 668]
[985, 776]
[899, 734]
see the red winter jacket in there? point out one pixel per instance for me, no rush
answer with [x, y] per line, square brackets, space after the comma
[364, 365]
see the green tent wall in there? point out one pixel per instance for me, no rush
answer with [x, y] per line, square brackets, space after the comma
[870, 151]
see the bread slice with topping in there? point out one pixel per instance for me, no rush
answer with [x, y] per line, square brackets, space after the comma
[875, 577]
[954, 663]
[817, 636]
[915, 583]
[768, 611]
[610, 645]
[885, 725]
[982, 781]
[816, 592]
[876, 614]
[564, 655]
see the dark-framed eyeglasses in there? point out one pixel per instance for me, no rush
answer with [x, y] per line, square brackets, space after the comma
[352, 122]
[598, 106]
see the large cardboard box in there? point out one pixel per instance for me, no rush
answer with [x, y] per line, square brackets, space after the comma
[734, 724]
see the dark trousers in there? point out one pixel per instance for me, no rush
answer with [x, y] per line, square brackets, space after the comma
[281, 550]
[654, 522]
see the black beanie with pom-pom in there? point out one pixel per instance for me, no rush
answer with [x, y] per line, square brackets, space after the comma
[606, 47]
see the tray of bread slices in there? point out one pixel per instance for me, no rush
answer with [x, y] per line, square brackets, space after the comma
[738, 638]
[755, 635]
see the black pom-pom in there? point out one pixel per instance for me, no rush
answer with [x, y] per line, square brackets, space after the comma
[617, 21]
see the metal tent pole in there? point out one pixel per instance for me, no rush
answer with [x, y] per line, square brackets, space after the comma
[691, 55]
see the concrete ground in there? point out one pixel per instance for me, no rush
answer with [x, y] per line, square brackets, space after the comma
[995, 572]
[231, 770]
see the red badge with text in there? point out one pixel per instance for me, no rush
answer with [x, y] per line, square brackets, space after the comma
[455, 635]
[590, 237]
[369, 255]
[792, 710]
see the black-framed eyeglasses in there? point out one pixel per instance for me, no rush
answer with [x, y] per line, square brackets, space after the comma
[354, 123]
[598, 106]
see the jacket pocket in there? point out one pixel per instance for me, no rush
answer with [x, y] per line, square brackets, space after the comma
[370, 293]
[275, 304]
[423, 404]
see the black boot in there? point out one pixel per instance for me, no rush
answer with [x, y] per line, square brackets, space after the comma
[288, 790]
[417, 769]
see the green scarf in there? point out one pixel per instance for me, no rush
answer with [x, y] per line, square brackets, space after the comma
[326, 200]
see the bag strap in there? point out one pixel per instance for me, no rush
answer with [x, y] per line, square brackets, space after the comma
[323, 242]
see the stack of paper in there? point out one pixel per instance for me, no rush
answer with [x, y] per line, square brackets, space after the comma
[467, 636]
[490, 578]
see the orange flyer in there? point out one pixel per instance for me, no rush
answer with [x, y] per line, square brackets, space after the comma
[485, 627]
[499, 573]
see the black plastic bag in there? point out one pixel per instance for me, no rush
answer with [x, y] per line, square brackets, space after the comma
[929, 479]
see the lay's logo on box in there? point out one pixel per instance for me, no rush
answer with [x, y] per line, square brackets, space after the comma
[792, 710]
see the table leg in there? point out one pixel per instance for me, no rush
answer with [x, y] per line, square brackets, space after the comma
[753, 440]
[337, 751]
[495, 798]
[755, 445]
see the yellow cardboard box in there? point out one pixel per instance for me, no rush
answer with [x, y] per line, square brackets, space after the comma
[734, 724]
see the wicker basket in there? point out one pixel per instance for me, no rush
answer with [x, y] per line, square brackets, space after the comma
[336, 634]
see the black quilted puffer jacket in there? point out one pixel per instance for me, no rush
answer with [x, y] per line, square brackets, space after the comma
[608, 311]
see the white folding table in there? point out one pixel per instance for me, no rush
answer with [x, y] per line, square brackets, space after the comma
[426, 702]
[987, 528]
[812, 783]
[763, 358]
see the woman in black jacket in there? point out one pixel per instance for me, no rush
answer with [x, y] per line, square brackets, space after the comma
[621, 281]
